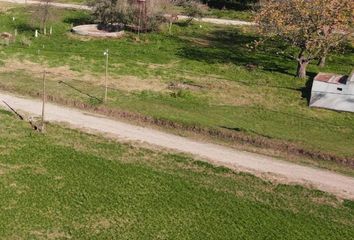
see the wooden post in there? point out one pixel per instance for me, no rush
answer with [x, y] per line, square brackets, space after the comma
[139, 24]
[43, 103]
[106, 53]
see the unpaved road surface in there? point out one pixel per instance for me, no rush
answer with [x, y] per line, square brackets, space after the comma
[342, 186]
[180, 17]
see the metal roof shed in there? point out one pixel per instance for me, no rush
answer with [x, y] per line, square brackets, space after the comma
[333, 91]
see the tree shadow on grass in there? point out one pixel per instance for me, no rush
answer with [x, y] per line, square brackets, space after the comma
[24, 27]
[306, 90]
[233, 46]
[79, 20]
[240, 5]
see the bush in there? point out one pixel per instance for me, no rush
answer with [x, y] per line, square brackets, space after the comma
[144, 16]
[194, 9]
[25, 41]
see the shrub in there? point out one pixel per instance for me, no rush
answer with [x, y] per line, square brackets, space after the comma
[146, 15]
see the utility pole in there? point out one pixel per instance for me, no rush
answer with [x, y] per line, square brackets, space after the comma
[106, 53]
[43, 103]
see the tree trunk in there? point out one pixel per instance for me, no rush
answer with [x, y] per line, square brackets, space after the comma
[301, 67]
[322, 61]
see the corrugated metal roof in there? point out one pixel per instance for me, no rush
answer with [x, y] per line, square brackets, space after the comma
[331, 78]
[333, 91]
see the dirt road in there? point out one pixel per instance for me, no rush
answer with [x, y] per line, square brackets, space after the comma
[180, 17]
[337, 184]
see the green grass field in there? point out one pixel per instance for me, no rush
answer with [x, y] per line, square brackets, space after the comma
[70, 185]
[217, 80]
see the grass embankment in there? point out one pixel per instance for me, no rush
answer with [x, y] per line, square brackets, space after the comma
[66, 184]
[204, 76]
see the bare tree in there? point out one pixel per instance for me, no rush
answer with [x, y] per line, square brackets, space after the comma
[139, 14]
[313, 27]
[43, 14]
[194, 9]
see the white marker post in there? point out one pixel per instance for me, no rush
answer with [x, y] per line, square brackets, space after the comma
[36, 33]
[106, 53]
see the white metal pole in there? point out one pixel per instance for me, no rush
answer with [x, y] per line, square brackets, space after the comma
[106, 75]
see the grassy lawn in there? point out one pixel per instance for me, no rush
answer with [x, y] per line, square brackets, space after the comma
[66, 184]
[230, 14]
[202, 75]
[245, 15]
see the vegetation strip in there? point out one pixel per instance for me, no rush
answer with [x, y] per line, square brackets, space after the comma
[79, 186]
[340, 185]
[224, 134]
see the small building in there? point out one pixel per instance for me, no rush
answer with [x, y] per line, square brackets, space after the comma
[333, 91]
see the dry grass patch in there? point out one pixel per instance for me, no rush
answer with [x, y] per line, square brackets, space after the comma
[4, 7]
[11, 168]
[197, 41]
[36, 69]
[157, 66]
[64, 73]
[98, 224]
[224, 92]
[55, 234]
[133, 83]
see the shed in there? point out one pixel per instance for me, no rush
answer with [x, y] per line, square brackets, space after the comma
[333, 91]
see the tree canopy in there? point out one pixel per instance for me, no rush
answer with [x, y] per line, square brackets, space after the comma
[314, 27]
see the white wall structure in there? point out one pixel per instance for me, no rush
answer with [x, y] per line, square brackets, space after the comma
[333, 91]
